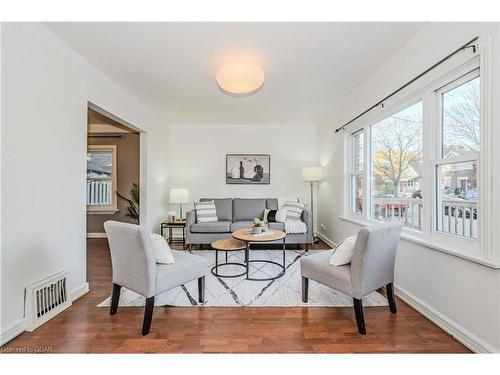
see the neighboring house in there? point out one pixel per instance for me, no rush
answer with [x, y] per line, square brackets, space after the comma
[411, 180]
[99, 165]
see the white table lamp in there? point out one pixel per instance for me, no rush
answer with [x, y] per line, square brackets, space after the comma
[179, 196]
[312, 175]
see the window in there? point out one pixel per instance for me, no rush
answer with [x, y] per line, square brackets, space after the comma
[396, 167]
[101, 178]
[458, 157]
[356, 171]
[419, 163]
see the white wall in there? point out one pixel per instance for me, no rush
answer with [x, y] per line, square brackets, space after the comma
[462, 296]
[198, 158]
[45, 90]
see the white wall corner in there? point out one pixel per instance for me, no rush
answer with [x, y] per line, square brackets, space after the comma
[451, 327]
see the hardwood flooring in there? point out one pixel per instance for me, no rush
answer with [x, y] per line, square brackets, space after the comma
[86, 328]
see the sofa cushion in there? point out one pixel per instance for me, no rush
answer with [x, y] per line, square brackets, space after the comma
[224, 207]
[248, 208]
[211, 227]
[277, 226]
[237, 225]
[272, 203]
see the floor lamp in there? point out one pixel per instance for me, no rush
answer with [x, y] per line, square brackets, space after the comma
[312, 175]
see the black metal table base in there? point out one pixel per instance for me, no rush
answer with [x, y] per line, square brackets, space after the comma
[216, 273]
[215, 269]
[248, 261]
[283, 269]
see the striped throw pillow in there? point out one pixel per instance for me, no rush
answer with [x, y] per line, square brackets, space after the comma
[205, 212]
[294, 210]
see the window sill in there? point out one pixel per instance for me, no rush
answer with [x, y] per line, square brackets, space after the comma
[103, 212]
[409, 236]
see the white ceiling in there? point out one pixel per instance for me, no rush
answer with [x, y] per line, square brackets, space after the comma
[171, 67]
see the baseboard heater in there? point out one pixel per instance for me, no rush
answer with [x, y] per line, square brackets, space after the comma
[45, 299]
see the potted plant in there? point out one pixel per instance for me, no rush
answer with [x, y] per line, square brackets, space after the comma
[258, 225]
[133, 204]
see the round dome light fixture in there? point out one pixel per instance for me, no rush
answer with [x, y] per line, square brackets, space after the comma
[240, 78]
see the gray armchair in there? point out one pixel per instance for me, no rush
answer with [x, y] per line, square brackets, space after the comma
[372, 267]
[134, 267]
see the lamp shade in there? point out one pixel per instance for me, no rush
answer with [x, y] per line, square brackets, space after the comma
[179, 196]
[312, 173]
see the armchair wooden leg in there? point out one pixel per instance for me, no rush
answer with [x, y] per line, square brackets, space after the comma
[360, 319]
[148, 315]
[305, 289]
[390, 297]
[307, 247]
[201, 289]
[115, 298]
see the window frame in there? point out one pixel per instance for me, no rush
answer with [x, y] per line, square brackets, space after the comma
[353, 173]
[449, 82]
[391, 111]
[479, 250]
[113, 207]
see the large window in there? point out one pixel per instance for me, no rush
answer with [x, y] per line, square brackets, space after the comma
[458, 156]
[421, 163]
[396, 167]
[101, 179]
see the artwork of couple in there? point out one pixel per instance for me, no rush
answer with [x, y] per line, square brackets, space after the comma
[248, 169]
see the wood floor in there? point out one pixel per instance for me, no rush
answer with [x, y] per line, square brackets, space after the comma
[87, 328]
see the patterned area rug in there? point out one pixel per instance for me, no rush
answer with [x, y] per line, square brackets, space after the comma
[239, 292]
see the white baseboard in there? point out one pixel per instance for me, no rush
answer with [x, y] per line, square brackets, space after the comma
[15, 329]
[470, 340]
[80, 292]
[327, 240]
[96, 235]
[19, 326]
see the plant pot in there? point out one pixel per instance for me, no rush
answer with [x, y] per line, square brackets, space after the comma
[257, 230]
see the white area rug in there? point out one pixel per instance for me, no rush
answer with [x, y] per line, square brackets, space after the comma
[285, 291]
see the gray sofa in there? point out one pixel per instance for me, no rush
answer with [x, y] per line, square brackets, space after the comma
[238, 213]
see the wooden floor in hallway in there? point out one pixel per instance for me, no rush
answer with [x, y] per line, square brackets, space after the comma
[86, 328]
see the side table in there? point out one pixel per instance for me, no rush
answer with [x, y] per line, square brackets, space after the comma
[181, 224]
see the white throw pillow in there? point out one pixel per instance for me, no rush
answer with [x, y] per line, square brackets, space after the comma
[343, 252]
[281, 215]
[163, 254]
[282, 201]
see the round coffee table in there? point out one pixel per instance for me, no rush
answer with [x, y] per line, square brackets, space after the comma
[226, 246]
[246, 236]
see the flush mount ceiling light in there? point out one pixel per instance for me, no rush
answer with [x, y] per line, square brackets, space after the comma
[240, 78]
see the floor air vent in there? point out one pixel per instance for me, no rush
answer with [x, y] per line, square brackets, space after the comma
[45, 299]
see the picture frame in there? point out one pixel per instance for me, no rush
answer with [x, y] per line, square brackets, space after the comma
[248, 169]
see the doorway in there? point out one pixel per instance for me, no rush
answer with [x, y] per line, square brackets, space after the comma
[113, 173]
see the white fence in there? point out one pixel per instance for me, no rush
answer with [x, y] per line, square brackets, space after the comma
[99, 193]
[407, 210]
[457, 217]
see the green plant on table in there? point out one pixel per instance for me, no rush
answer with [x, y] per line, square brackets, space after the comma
[258, 223]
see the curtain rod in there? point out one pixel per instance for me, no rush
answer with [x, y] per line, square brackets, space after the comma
[461, 48]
